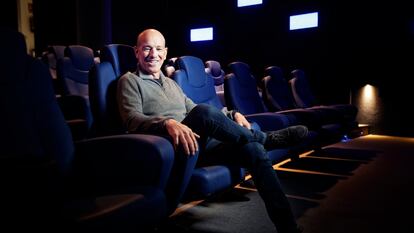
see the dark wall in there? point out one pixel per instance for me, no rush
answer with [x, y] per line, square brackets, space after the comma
[8, 14]
[356, 43]
[55, 23]
[68, 22]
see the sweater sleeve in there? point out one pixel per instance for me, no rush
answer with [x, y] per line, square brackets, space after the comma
[228, 113]
[131, 112]
[189, 104]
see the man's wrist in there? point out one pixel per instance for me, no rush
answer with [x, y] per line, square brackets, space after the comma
[233, 115]
[167, 122]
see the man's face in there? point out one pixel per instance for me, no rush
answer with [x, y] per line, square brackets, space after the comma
[151, 53]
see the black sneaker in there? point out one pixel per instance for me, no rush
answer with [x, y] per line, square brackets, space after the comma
[286, 137]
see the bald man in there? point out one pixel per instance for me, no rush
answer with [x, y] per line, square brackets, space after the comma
[153, 104]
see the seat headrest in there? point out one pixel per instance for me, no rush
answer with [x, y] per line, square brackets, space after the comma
[273, 71]
[194, 67]
[121, 56]
[215, 68]
[57, 50]
[298, 73]
[52, 54]
[242, 71]
[82, 57]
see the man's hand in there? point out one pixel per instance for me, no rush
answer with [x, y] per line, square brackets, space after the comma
[241, 120]
[182, 134]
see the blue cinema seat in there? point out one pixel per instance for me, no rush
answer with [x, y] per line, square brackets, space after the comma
[304, 98]
[278, 97]
[241, 93]
[213, 69]
[73, 69]
[50, 57]
[51, 184]
[72, 74]
[52, 54]
[211, 179]
[199, 86]
[117, 59]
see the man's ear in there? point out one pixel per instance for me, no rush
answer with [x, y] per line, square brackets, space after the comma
[136, 51]
[166, 53]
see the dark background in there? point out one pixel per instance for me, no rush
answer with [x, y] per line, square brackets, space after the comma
[356, 43]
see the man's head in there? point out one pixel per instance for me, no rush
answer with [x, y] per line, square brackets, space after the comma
[151, 52]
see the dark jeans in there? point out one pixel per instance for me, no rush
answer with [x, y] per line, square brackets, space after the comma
[220, 136]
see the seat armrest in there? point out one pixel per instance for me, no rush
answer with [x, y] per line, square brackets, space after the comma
[271, 121]
[312, 119]
[124, 161]
[77, 114]
[74, 106]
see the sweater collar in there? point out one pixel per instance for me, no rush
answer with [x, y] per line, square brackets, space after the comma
[148, 76]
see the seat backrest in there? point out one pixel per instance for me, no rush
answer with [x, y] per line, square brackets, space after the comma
[240, 90]
[52, 54]
[73, 69]
[102, 95]
[304, 98]
[213, 68]
[36, 145]
[276, 93]
[194, 81]
[33, 125]
[121, 56]
[169, 67]
[50, 57]
[116, 59]
[301, 90]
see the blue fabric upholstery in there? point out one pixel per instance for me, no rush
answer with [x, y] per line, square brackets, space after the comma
[102, 95]
[278, 97]
[110, 184]
[50, 58]
[342, 114]
[194, 81]
[198, 86]
[118, 58]
[52, 54]
[242, 94]
[72, 74]
[276, 91]
[304, 98]
[73, 69]
[121, 57]
[213, 69]
[239, 92]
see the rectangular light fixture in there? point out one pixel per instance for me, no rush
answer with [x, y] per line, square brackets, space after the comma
[201, 34]
[242, 3]
[309, 20]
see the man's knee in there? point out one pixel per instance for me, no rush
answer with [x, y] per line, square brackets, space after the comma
[204, 110]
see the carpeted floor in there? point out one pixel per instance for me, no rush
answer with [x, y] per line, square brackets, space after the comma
[362, 185]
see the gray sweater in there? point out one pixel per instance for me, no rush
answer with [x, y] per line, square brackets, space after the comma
[145, 103]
